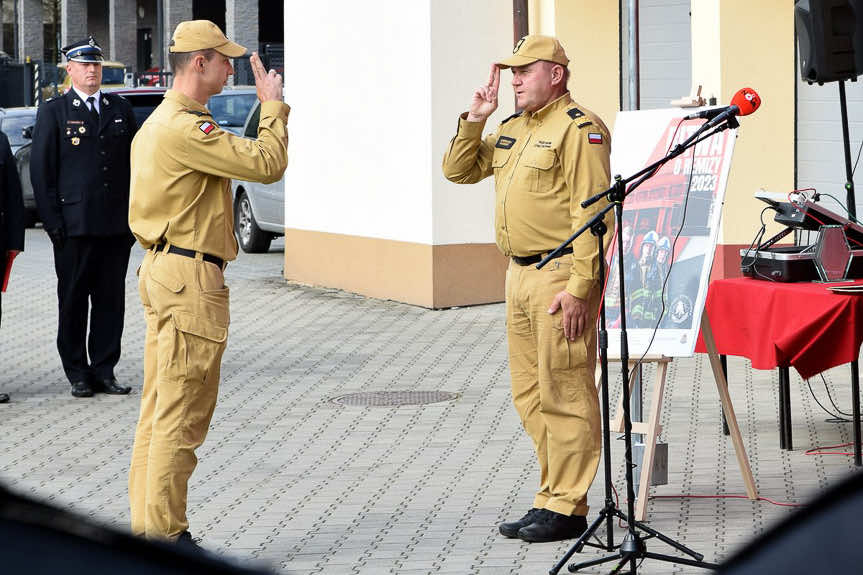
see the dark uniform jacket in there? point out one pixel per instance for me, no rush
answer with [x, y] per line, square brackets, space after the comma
[80, 171]
[11, 205]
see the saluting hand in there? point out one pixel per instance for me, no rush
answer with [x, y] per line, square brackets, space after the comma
[268, 84]
[484, 101]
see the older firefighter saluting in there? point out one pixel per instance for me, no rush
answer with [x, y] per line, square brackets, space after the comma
[546, 159]
[181, 213]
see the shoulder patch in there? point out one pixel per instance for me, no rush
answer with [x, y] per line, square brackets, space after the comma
[206, 127]
[594, 137]
[574, 113]
[585, 124]
[516, 115]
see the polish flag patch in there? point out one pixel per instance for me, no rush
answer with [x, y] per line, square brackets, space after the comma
[206, 127]
[594, 138]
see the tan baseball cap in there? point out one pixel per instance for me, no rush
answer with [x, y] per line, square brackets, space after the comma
[194, 35]
[535, 47]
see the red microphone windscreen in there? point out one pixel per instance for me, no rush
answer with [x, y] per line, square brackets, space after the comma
[747, 101]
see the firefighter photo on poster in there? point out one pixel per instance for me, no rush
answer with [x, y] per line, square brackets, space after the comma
[669, 230]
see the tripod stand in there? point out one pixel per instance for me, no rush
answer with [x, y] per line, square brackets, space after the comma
[632, 548]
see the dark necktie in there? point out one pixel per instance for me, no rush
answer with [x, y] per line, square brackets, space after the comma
[91, 102]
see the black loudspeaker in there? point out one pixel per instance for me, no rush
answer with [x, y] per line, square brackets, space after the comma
[823, 537]
[37, 538]
[829, 39]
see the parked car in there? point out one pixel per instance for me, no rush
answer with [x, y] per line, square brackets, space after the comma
[259, 209]
[144, 100]
[113, 76]
[17, 124]
[231, 107]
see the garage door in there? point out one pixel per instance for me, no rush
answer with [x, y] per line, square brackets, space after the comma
[820, 153]
[665, 51]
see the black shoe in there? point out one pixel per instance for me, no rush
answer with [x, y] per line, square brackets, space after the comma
[82, 389]
[511, 529]
[4, 398]
[551, 526]
[111, 387]
[186, 541]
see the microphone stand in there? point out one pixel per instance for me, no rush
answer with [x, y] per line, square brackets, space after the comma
[632, 548]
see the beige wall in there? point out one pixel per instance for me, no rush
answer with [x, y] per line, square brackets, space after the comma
[730, 52]
[589, 31]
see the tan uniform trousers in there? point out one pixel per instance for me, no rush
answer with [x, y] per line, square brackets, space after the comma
[553, 385]
[186, 306]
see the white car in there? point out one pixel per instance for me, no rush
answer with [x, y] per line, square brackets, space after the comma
[259, 209]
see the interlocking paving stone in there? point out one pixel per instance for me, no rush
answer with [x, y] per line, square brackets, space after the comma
[290, 479]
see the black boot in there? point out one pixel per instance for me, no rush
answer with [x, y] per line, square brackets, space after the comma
[511, 529]
[551, 526]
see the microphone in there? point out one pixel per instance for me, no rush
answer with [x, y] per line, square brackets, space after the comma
[744, 102]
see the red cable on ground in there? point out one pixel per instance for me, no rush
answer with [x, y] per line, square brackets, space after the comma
[779, 503]
[817, 450]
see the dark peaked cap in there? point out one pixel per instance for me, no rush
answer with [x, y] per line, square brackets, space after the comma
[83, 51]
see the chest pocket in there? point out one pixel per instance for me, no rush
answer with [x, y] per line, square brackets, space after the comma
[500, 158]
[119, 126]
[540, 159]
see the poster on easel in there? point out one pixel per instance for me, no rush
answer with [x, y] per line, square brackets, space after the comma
[670, 228]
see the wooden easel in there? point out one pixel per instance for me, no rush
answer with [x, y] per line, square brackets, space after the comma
[652, 428]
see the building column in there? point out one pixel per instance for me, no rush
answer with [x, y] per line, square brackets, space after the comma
[241, 26]
[723, 45]
[1, 25]
[31, 42]
[123, 32]
[173, 12]
[73, 21]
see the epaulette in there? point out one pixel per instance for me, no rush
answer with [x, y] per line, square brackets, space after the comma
[585, 124]
[197, 113]
[516, 115]
[574, 113]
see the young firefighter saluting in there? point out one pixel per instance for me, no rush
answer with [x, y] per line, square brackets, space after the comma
[545, 160]
[181, 213]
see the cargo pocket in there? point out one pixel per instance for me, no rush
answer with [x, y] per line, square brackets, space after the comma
[197, 348]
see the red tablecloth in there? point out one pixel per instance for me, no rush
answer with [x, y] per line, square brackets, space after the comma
[799, 325]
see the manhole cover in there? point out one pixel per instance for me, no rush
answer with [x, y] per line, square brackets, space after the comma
[393, 398]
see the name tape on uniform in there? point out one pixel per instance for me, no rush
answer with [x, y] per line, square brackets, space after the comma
[504, 142]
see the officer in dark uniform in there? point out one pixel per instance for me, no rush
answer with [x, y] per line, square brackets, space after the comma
[79, 167]
[11, 214]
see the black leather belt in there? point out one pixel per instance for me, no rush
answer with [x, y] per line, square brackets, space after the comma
[191, 254]
[536, 258]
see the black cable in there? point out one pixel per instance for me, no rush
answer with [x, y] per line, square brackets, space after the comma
[843, 206]
[857, 160]
[834, 417]
[757, 239]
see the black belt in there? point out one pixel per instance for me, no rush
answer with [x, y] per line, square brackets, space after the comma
[536, 258]
[191, 254]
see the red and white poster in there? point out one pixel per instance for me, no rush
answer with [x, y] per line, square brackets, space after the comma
[670, 228]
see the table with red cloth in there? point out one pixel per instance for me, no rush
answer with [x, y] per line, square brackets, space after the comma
[801, 325]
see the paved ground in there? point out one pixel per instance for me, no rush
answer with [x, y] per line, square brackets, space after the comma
[306, 485]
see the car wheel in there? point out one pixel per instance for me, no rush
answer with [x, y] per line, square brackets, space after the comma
[251, 238]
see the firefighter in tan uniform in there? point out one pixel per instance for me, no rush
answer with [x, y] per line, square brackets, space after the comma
[181, 212]
[545, 161]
